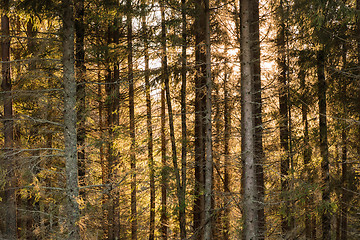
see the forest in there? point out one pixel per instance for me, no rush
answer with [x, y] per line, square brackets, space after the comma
[180, 119]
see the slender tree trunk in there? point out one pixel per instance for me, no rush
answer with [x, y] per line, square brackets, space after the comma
[71, 166]
[200, 104]
[227, 133]
[112, 105]
[248, 125]
[307, 150]
[208, 132]
[183, 122]
[80, 89]
[149, 128]
[9, 199]
[165, 76]
[324, 152]
[132, 121]
[344, 152]
[32, 205]
[259, 152]
[164, 171]
[284, 123]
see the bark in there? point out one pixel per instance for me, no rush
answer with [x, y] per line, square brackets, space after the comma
[200, 104]
[112, 105]
[184, 140]
[248, 125]
[165, 77]
[227, 179]
[71, 166]
[164, 174]
[80, 90]
[324, 152]
[344, 201]
[259, 152]
[132, 120]
[8, 203]
[208, 132]
[149, 129]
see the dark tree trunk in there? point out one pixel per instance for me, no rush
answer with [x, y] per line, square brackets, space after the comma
[208, 131]
[309, 227]
[259, 152]
[80, 89]
[324, 152]
[345, 198]
[8, 203]
[164, 171]
[71, 166]
[200, 105]
[112, 105]
[183, 122]
[286, 224]
[132, 120]
[165, 76]
[227, 134]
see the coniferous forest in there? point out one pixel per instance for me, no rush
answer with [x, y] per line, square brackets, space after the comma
[180, 119]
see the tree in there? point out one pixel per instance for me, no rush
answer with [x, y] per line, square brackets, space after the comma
[286, 224]
[251, 223]
[9, 200]
[80, 89]
[149, 125]
[132, 119]
[71, 167]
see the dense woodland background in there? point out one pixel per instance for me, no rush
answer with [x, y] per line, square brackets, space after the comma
[182, 119]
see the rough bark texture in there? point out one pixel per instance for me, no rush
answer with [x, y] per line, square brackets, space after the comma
[208, 131]
[324, 152]
[112, 116]
[200, 105]
[259, 152]
[8, 204]
[248, 125]
[71, 166]
[132, 121]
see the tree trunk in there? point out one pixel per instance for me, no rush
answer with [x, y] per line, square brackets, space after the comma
[324, 152]
[71, 166]
[164, 171]
[165, 77]
[149, 128]
[200, 105]
[344, 201]
[8, 203]
[132, 121]
[208, 131]
[307, 149]
[184, 140]
[248, 125]
[259, 152]
[286, 224]
[80, 90]
[227, 133]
